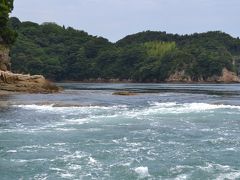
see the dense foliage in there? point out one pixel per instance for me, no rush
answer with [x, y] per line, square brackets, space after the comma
[7, 35]
[62, 53]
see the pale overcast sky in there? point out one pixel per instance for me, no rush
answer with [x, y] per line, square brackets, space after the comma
[114, 19]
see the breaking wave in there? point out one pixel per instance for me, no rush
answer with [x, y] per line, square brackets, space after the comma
[168, 107]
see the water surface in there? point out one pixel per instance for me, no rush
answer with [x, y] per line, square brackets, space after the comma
[166, 131]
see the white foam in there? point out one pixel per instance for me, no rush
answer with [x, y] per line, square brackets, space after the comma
[216, 141]
[36, 107]
[229, 176]
[77, 121]
[92, 160]
[231, 149]
[59, 144]
[66, 175]
[75, 155]
[75, 167]
[179, 169]
[175, 108]
[167, 104]
[11, 151]
[181, 177]
[210, 167]
[66, 129]
[19, 160]
[57, 169]
[103, 112]
[41, 176]
[53, 107]
[115, 141]
[142, 172]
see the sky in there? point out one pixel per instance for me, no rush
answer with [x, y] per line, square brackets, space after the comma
[114, 19]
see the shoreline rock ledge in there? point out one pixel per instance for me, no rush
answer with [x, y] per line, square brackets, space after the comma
[25, 83]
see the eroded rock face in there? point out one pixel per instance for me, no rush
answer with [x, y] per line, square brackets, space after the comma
[179, 76]
[25, 83]
[226, 77]
[5, 64]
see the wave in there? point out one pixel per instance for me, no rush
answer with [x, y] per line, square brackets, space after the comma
[173, 107]
[151, 108]
[50, 107]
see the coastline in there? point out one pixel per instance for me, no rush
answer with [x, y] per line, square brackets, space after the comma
[145, 82]
[5, 93]
[8, 92]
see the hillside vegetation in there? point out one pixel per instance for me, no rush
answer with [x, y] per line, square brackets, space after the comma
[61, 53]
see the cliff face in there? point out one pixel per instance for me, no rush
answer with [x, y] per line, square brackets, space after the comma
[4, 58]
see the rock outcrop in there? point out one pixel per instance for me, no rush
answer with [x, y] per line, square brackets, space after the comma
[25, 83]
[226, 77]
[10, 82]
[179, 76]
[4, 58]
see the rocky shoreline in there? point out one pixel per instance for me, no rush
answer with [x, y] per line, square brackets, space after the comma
[227, 77]
[10, 83]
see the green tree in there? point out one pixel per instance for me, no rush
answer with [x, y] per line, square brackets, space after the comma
[64, 53]
[6, 34]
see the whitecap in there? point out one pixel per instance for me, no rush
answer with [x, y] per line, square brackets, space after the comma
[66, 129]
[11, 151]
[53, 107]
[41, 176]
[210, 167]
[178, 108]
[66, 175]
[115, 141]
[92, 160]
[231, 149]
[142, 172]
[182, 177]
[229, 176]
[75, 167]
[59, 144]
[57, 169]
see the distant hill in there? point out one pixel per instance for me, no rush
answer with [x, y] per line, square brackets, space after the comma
[62, 53]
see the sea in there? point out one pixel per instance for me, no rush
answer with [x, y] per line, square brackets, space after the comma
[164, 131]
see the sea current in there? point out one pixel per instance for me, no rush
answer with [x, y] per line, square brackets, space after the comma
[164, 131]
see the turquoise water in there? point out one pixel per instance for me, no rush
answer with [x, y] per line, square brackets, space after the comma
[167, 131]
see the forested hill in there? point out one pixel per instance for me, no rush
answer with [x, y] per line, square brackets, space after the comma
[62, 53]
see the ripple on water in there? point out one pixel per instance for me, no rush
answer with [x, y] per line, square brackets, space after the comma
[97, 142]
